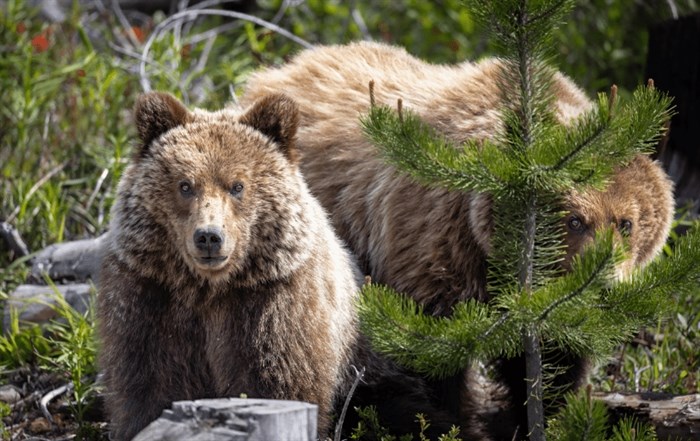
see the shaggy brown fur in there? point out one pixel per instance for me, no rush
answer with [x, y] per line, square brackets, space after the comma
[432, 243]
[222, 275]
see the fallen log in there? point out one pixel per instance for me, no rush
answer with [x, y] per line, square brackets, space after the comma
[74, 262]
[36, 304]
[675, 417]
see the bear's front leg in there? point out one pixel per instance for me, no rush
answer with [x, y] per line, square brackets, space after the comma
[147, 353]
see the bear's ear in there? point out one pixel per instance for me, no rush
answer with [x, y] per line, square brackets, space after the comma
[155, 113]
[277, 117]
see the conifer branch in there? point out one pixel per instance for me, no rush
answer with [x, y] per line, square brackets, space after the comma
[613, 100]
[414, 147]
[597, 133]
[583, 144]
[497, 324]
[548, 13]
[640, 299]
[592, 277]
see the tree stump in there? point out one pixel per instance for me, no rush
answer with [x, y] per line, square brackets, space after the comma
[234, 419]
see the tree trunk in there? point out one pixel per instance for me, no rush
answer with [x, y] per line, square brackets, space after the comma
[673, 62]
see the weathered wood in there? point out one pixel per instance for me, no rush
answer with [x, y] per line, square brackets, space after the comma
[674, 417]
[234, 419]
[13, 239]
[77, 261]
[35, 303]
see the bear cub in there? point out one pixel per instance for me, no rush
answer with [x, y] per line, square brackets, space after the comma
[222, 274]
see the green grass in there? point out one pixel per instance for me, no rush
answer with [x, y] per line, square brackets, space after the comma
[66, 136]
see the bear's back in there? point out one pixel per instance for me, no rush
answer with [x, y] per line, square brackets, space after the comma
[411, 237]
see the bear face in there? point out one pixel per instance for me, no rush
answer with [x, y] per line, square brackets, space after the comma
[637, 203]
[214, 173]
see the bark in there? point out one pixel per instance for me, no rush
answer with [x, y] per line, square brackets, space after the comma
[673, 61]
[235, 419]
[674, 417]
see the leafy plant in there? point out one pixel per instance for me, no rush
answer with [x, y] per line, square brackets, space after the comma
[370, 427]
[63, 141]
[72, 337]
[21, 346]
[586, 419]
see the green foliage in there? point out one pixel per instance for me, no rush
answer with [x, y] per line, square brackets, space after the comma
[582, 419]
[580, 311]
[604, 42]
[433, 346]
[66, 346]
[5, 410]
[72, 337]
[663, 357]
[524, 171]
[181, 64]
[559, 157]
[21, 346]
[63, 141]
[586, 419]
[370, 427]
[416, 148]
[442, 32]
[519, 28]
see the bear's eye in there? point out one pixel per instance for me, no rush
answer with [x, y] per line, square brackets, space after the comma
[625, 227]
[185, 188]
[575, 224]
[236, 189]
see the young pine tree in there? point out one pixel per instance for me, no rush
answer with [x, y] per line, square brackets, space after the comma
[525, 170]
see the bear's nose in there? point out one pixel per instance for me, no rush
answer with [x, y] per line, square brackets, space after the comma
[209, 239]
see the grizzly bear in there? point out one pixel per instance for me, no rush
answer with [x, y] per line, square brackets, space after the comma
[222, 275]
[430, 243]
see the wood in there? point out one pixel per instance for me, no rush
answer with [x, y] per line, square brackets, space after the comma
[13, 240]
[35, 304]
[77, 261]
[234, 419]
[674, 417]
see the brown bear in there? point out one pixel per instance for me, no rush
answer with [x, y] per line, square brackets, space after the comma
[222, 274]
[431, 243]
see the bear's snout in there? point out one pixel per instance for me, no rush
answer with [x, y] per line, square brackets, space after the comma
[209, 240]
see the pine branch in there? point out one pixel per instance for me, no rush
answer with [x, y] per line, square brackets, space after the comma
[582, 153]
[640, 299]
[435, 346]
[589, 271]
[600, 121]
[415, 148]
[550, 12]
